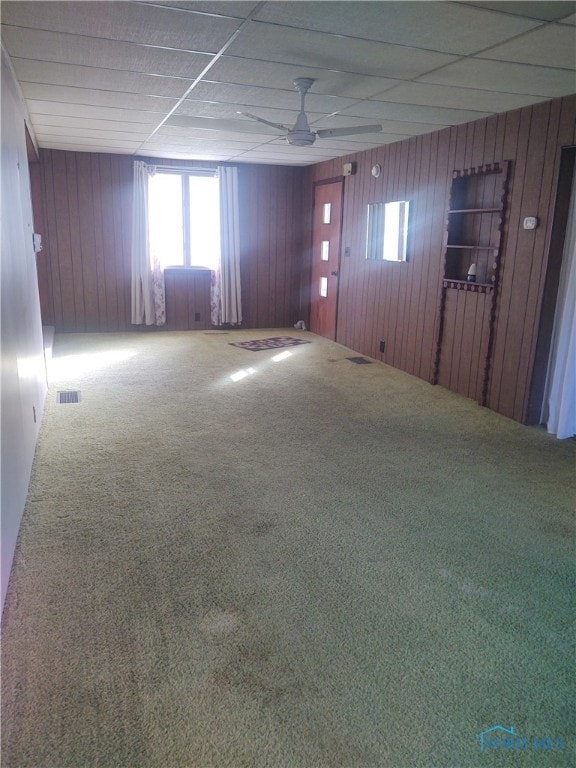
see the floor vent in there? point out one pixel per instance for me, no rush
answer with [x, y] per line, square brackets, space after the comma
[359, 360]
[68, 397]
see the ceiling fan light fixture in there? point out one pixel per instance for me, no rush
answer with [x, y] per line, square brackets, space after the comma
[301, 138]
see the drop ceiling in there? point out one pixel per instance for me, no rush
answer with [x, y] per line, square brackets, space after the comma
[168, 79]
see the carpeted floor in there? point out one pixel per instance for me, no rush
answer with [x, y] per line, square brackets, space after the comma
[284, 561]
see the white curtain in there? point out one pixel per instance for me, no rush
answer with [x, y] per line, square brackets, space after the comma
[148, 302]
[559, 408]
[226, 298]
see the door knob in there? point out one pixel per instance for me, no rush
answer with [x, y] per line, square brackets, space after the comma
[334, 274]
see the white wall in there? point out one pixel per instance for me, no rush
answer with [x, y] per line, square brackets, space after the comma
[22, 352]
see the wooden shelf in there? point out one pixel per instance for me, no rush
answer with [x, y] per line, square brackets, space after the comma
[474, 247]
[464, 285]
[475, 215]
[475, 210]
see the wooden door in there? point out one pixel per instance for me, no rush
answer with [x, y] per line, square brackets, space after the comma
[327, 223]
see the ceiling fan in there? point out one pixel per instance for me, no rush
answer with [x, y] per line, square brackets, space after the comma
[301, 134]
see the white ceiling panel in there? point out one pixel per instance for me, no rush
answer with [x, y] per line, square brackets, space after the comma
[196, 145]
[29, 71]
[208, 109]
[532, 9]
[284, 97]
[179, 155]
[92, 133]
[267, 42]
[39, 108]
[275, 75]
[426, 94]
[416, 24]
[138, 130]
[550, 46]
[57, 142]
[388, 126]
[234, 8]
[62, 94]
[80, 142]
[515, 78]
[359, 143]
[240, 125]
[95, 51]
[409, 113]
[187, 134]
[169, 77]
[129, 21]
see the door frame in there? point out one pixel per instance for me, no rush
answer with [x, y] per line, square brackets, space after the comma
[315, 184]
[565, 179]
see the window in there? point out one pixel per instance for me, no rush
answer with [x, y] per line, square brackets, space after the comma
[387, 231]
[184, 219]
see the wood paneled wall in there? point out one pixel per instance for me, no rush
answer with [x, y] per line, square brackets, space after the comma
[87, 199]
[87, 236]
[398, 302]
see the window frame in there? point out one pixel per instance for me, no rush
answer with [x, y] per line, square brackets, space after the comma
[185, 175]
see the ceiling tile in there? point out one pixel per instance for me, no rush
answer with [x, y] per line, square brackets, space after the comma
[45, 139]
[388, 110]
[388, 126]
[459, 98]
[181, 155]
[546, 11]
[96, 52]
[130, 21]
[76, 95]
[196, 145]
[240, 124]
[95, 134]
[138, 130]
[267, 42]
[102, 76]
[38, 108]
[57, 142]
[451, 28]
[284, 97]
[195, 108]
[235, 8]
[28, 71]
[274, 75]
[550, 46]
[186, 134]
[515, 78]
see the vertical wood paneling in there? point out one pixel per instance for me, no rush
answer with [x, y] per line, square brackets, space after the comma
[401, 307]
[87, 246]
[87, 222]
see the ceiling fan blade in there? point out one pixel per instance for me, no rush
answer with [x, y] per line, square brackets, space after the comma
[328, 132]
[266, 122]
[213, 124]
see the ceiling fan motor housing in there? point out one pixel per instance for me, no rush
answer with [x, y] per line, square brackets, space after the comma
[301, 138]
[301, 135]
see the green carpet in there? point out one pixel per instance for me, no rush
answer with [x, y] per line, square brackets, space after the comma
[312, 564]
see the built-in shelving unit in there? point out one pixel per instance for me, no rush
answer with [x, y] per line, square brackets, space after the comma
[472, 246]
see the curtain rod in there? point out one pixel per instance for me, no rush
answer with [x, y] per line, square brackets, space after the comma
[179, 168]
